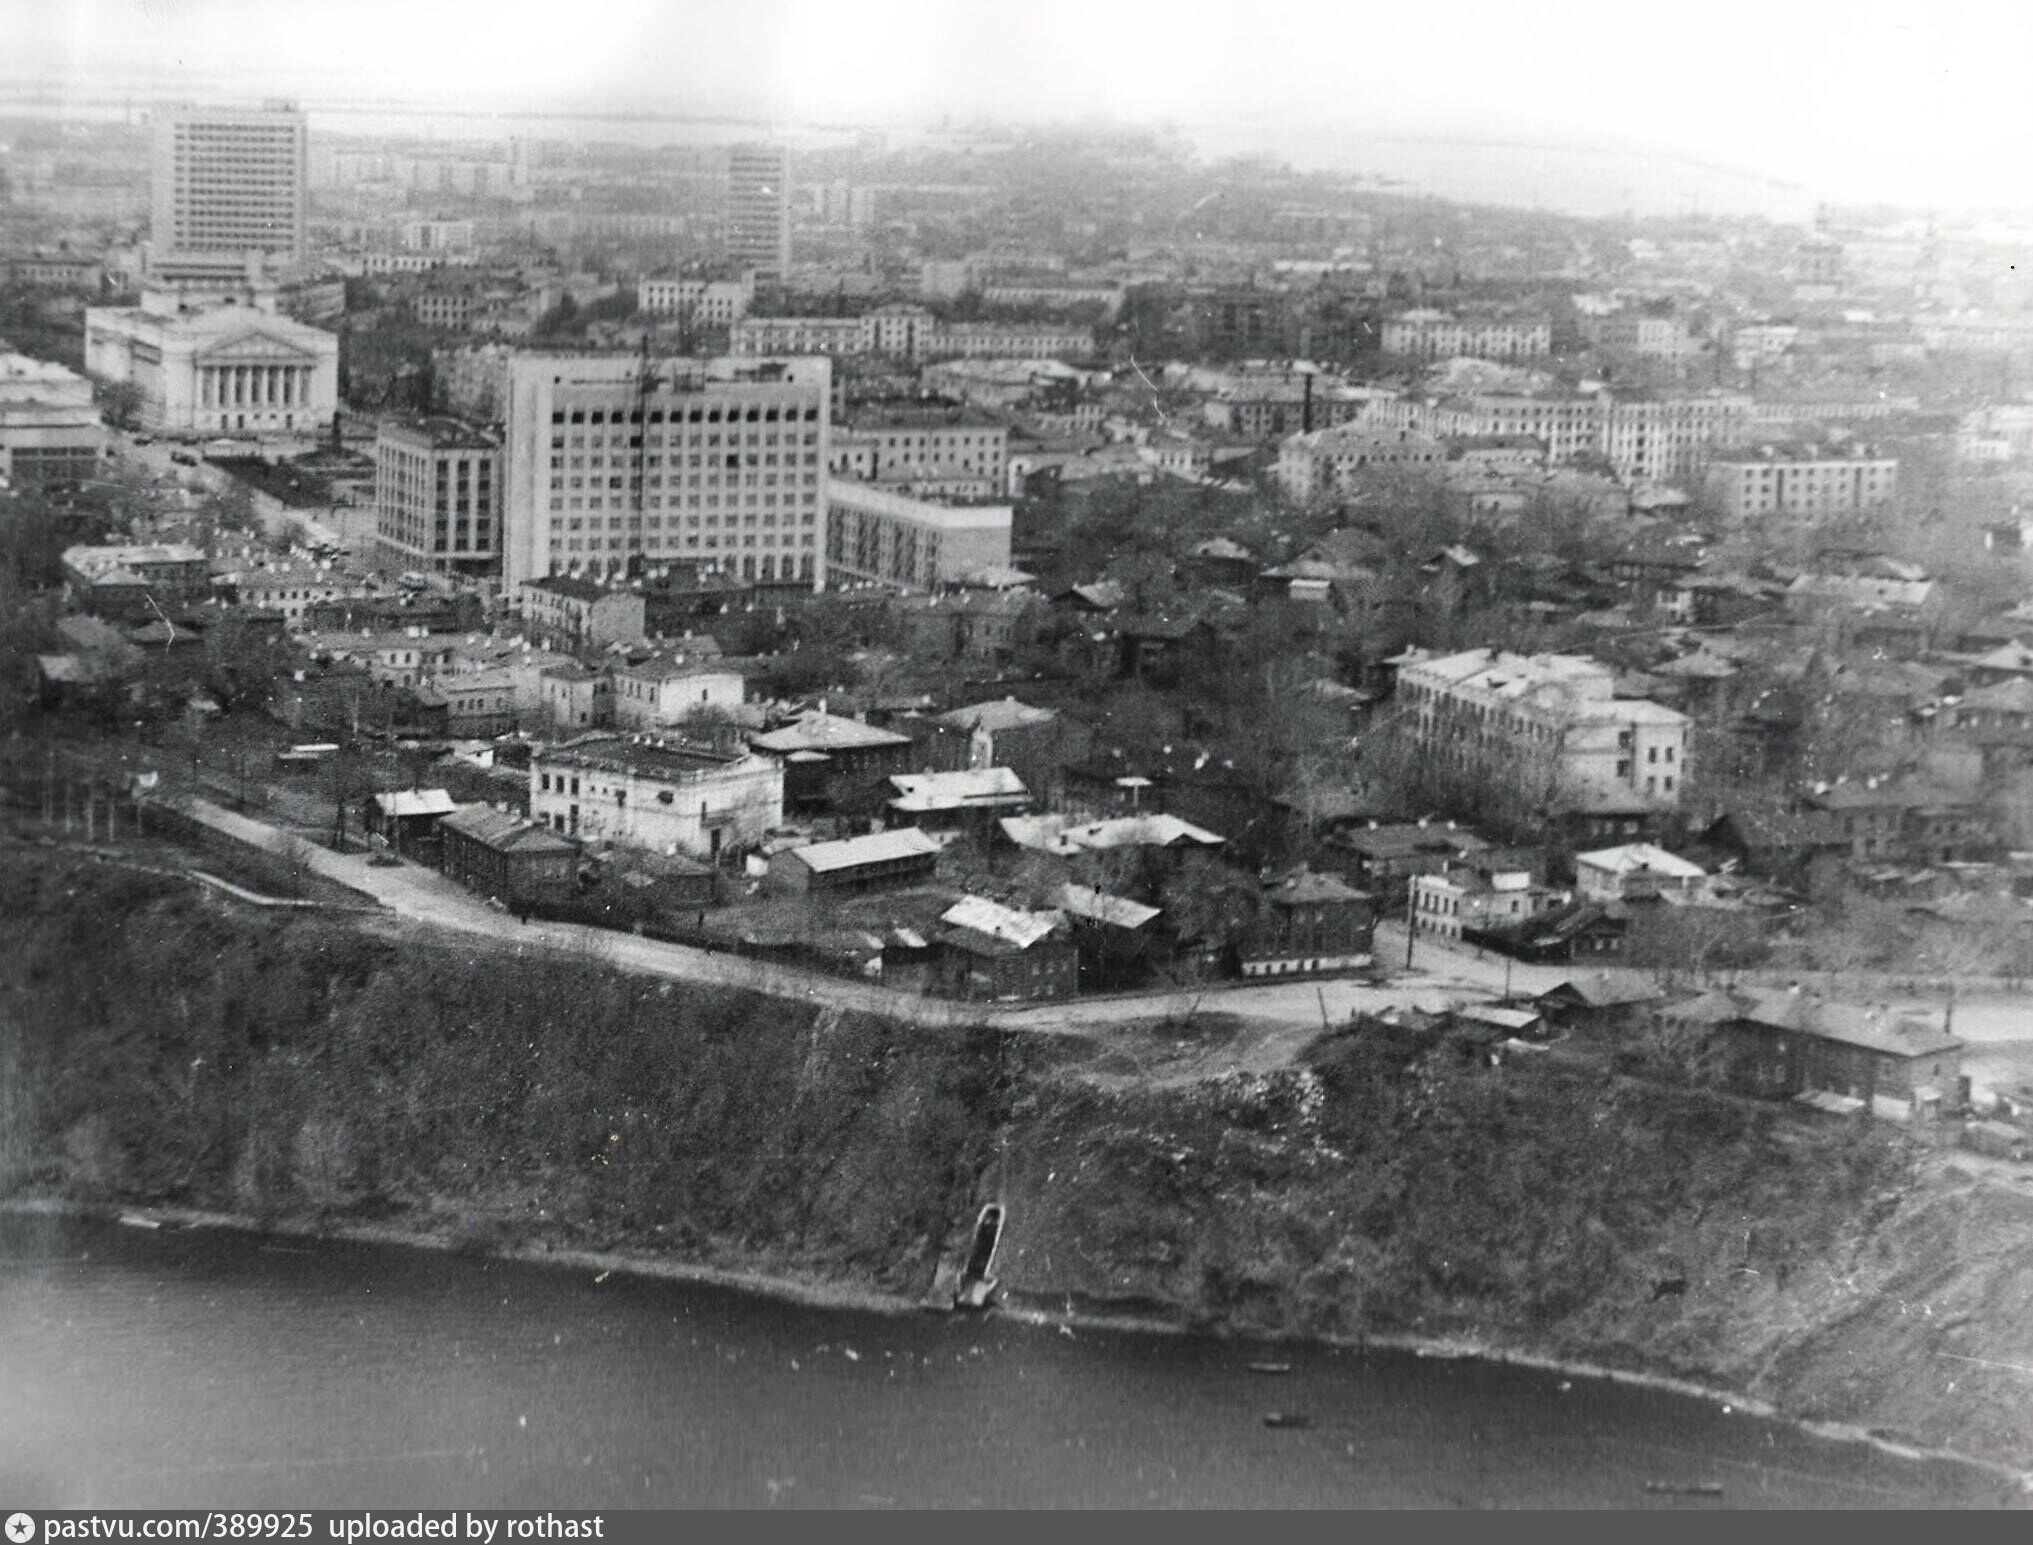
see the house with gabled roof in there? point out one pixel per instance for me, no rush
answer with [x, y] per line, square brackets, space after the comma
[989, 952]
[905, 856]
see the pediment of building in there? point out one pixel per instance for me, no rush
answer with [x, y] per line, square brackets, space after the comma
[254, 349]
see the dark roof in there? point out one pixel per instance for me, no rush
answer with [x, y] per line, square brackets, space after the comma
[505, 833]
[1557, 926]
[1852, 1024]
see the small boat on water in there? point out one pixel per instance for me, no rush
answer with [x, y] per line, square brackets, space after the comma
[1270, 1367]
[136, 1220]
[977, 1284]
[1684, 1488]
[1287, 1419]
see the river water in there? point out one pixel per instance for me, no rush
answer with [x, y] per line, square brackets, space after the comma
[209, 1368]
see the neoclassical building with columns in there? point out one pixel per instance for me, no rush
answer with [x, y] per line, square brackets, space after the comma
[229, 370]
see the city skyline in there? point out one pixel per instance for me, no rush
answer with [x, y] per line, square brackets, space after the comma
[1855, 104]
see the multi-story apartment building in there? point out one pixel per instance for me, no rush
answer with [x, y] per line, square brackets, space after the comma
[291, 588]
[1271, 408]
[657, 796]
[1550, 726]
[572, 612]
[49, 429]
[1426, 334]
[667, 689]
[1645, 337]
[908, 332]
[1802, 481]
[60, 270]
[414, 262]
[438, 235]
[1010, 340]
[715, 462]
[924, 446]
[230, 180]
[437, 495]
[758, 222]
[706, 302]
[1333, 461]
[1049, 294]
[1656, 438]
[754, 337]
[874, 534]
[451, 309]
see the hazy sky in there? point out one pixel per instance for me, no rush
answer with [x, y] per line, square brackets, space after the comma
[1921, 103]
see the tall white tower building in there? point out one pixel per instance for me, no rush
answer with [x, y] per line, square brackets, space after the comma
[759, 208]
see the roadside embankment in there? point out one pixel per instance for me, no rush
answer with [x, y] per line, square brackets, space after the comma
[293, 1070]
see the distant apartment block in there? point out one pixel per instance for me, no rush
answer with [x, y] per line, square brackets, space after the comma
[932, 448]
[758, 220]
[1652, 437]
[874, 534]
[1334, 461]
[1426, 334]
[753, 337]
[230, 180]
[49, 429]
[908, 333]
[1643, 337]
[1550, 726]
[58, 270]
[1801, 481]
[1011, 340]
[705, 302]
[1271, 408]
[572, 612]
[718, 463]
[437, 495]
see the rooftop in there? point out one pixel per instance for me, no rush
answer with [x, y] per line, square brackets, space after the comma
[877, 848]
[505, 832]
[1006, 925]
[1003, 714]
[824, 732]
[1055, 834]
[641, 757]
[441, 433]
[1871, 1028]
[1641, 857]
[977, 786]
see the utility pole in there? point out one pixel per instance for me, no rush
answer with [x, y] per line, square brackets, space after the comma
[1411, 915]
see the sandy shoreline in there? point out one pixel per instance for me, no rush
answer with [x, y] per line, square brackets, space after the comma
[817, 1294]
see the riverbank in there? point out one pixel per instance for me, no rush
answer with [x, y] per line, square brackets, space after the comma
[809, 1292]
[291, 1073]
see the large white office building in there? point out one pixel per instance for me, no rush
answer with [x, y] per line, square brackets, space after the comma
[717, 462]
[229, 180]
